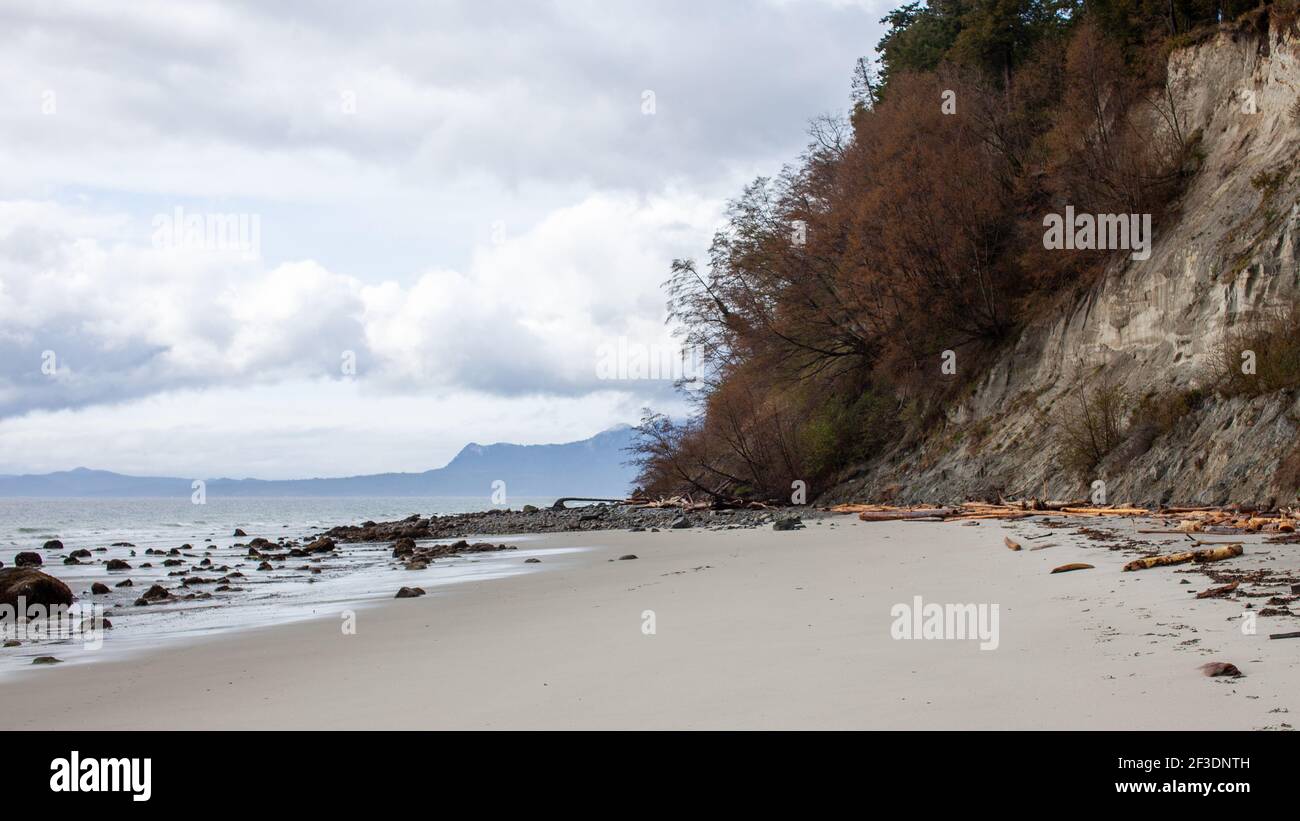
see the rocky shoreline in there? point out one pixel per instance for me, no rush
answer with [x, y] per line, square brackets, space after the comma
[217, 571]
[595, 517]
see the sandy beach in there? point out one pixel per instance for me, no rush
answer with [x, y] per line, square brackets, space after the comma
[752, 629]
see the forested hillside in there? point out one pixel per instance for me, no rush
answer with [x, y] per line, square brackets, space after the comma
[892, 299]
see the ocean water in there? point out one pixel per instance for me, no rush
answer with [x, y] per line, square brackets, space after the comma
[354, 577]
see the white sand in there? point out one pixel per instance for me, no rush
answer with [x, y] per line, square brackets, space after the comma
[755, 629]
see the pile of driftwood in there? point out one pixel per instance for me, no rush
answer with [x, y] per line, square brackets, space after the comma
[679, 502]
[1231, 520]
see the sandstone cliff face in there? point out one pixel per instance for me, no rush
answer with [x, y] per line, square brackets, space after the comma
[1155, 325]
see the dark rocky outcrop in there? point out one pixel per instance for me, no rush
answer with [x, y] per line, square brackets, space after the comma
[33, 586]
[28, 559]
[322, 545]
[409, 592]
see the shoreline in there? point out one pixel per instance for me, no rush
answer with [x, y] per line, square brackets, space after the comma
[754, 629]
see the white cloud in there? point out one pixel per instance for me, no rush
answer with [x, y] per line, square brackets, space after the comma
[528, 316]
[376, 223]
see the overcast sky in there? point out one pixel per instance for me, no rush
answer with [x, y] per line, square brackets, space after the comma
[451, 213]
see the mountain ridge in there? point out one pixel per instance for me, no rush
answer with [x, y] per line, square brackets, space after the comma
[594, 466]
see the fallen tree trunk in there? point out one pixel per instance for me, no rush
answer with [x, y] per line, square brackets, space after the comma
[1213, 555]
[1106, 511]
[892, 515]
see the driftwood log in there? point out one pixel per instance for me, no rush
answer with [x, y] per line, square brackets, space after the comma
[1216, 554]
[894, 515]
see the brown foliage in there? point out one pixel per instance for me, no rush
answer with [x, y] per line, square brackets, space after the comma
[835, 288]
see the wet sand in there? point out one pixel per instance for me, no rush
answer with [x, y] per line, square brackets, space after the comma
[753, 629]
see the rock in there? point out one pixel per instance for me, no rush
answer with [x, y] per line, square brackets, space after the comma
[80, 554]
[788, 523]
[680, 523]
[52, 544]
[72, 560]
[322, 545]
[125, 583]
[33, 586]
[117, 564]
[28, 559]
[12, 643]
[410, 592]
[46, 660]
[1220, 668]
[637, 529]
[265, 566]
[404, 546]
[238, 534]
[153, 594]
[530, 508]
[627, 557]
[532, 561]
[99, 588]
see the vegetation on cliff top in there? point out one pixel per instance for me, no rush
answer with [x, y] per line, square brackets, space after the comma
[854, 296]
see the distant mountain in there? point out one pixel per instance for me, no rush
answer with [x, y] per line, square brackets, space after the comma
[592, 467]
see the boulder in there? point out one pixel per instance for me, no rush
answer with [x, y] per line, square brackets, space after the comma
[28, 559]
[239, 534]
[627, 557]
[80, 554]
[125, 583]
[322, 545]
[53, 544]
[410, 592]
[99, 588]
[117, 564]
[156, 593]
[33, 586]
[788, 523]
[680, 523]
[403, 547]
[532, 561]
